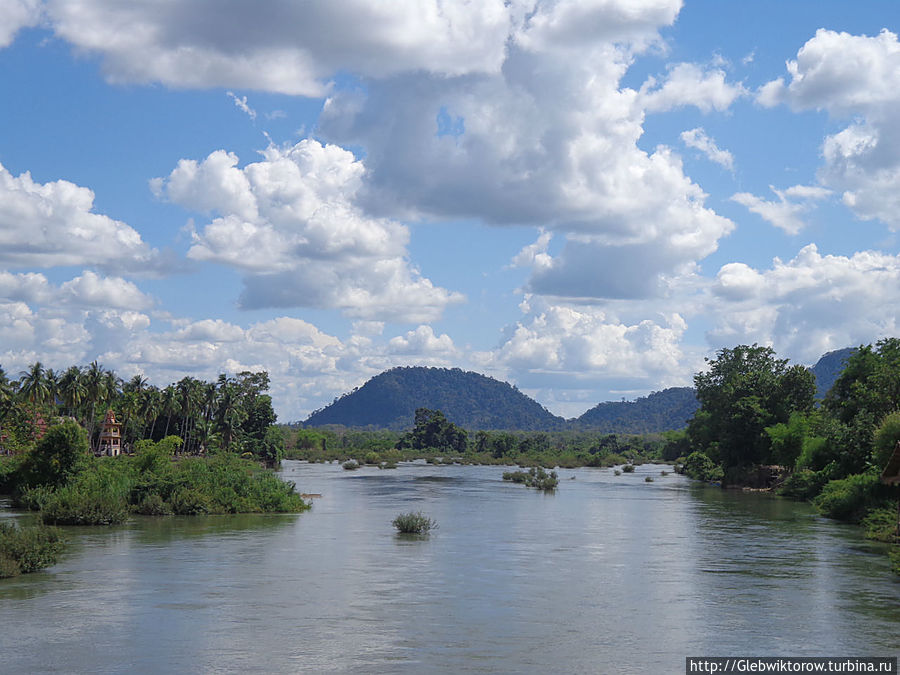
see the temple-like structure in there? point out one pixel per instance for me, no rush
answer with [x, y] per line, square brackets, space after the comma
[110, 436]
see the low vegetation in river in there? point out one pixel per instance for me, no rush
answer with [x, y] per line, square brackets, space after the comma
[535, 477]
[414, 523]
[28, 549]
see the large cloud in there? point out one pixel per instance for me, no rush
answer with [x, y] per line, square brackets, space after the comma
[808, 305]
[53, 224]
[551, 140]
[852, 77]
[291, 223]
[291, 47]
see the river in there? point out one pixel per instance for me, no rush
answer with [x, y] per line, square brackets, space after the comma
[609, 574]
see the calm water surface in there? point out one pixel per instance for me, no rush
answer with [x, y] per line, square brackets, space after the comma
[610, 574]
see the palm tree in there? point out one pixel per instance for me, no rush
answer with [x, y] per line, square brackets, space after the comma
[150, 407]
[52, 378]
[7, 392]
[230, 414]
[33, 386]
[93, 386]
[71, 389]
[168, 405]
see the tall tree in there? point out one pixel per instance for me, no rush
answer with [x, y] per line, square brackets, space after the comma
[33, 386]
[745, 390]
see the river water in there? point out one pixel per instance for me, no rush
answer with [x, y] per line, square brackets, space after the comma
[610, 574]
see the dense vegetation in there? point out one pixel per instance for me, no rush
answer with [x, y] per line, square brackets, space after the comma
[435, 438]
[49, 442]
[758, 420]
[62, 479]
[660, 411]
[27, 549]
[233, 413]
[473, 401]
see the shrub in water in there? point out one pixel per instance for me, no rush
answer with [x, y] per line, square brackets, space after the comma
[628, 468]
[648, 479]
[351, 464]
[414, 523]
[535, 477]
[28, 549]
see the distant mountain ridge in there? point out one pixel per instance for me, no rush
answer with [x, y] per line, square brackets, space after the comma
[475, 401]
[664, 410]
[470, 400]
[828, 368]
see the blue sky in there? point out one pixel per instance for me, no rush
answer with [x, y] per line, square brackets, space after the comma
[583, 198]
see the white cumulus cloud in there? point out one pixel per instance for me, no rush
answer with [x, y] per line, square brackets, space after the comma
[53, 224]
[291, 223]
[855, 77]
[698, 139]
[786, 213]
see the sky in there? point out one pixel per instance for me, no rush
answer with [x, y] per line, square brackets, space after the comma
[583, 198]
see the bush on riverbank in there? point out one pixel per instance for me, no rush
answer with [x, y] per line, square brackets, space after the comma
[28, 549]
[851, 498]
[414, 523]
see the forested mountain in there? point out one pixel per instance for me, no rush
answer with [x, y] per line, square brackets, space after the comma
[470, 400]
[660, 411]
[828, 368]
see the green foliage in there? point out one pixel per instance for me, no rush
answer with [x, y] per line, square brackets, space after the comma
[677, 444]
[59, 455]
[433, 430]
[28, 549]
[10, 473]
[895, 559]
[803, 485]
[887, 435]
[628, 468]
[98, 496]
[700, 467]
[414, 523]
[745, 390]
[787, 440]
[868, 383]
[881, 525]
[535, 477]
[153, 505]
[350, 465]
[852, 497]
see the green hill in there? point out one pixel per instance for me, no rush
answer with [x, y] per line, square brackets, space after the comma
[828, 368]
[470, 400]
[660, 411]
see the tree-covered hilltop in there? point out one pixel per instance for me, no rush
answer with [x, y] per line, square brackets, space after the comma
[666, 410]
[470, 400]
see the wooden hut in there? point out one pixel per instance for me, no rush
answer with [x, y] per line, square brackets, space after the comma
[110, 436]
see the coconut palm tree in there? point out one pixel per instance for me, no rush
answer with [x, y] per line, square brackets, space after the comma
[93, 388]
[71, 389]
[33, 386]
